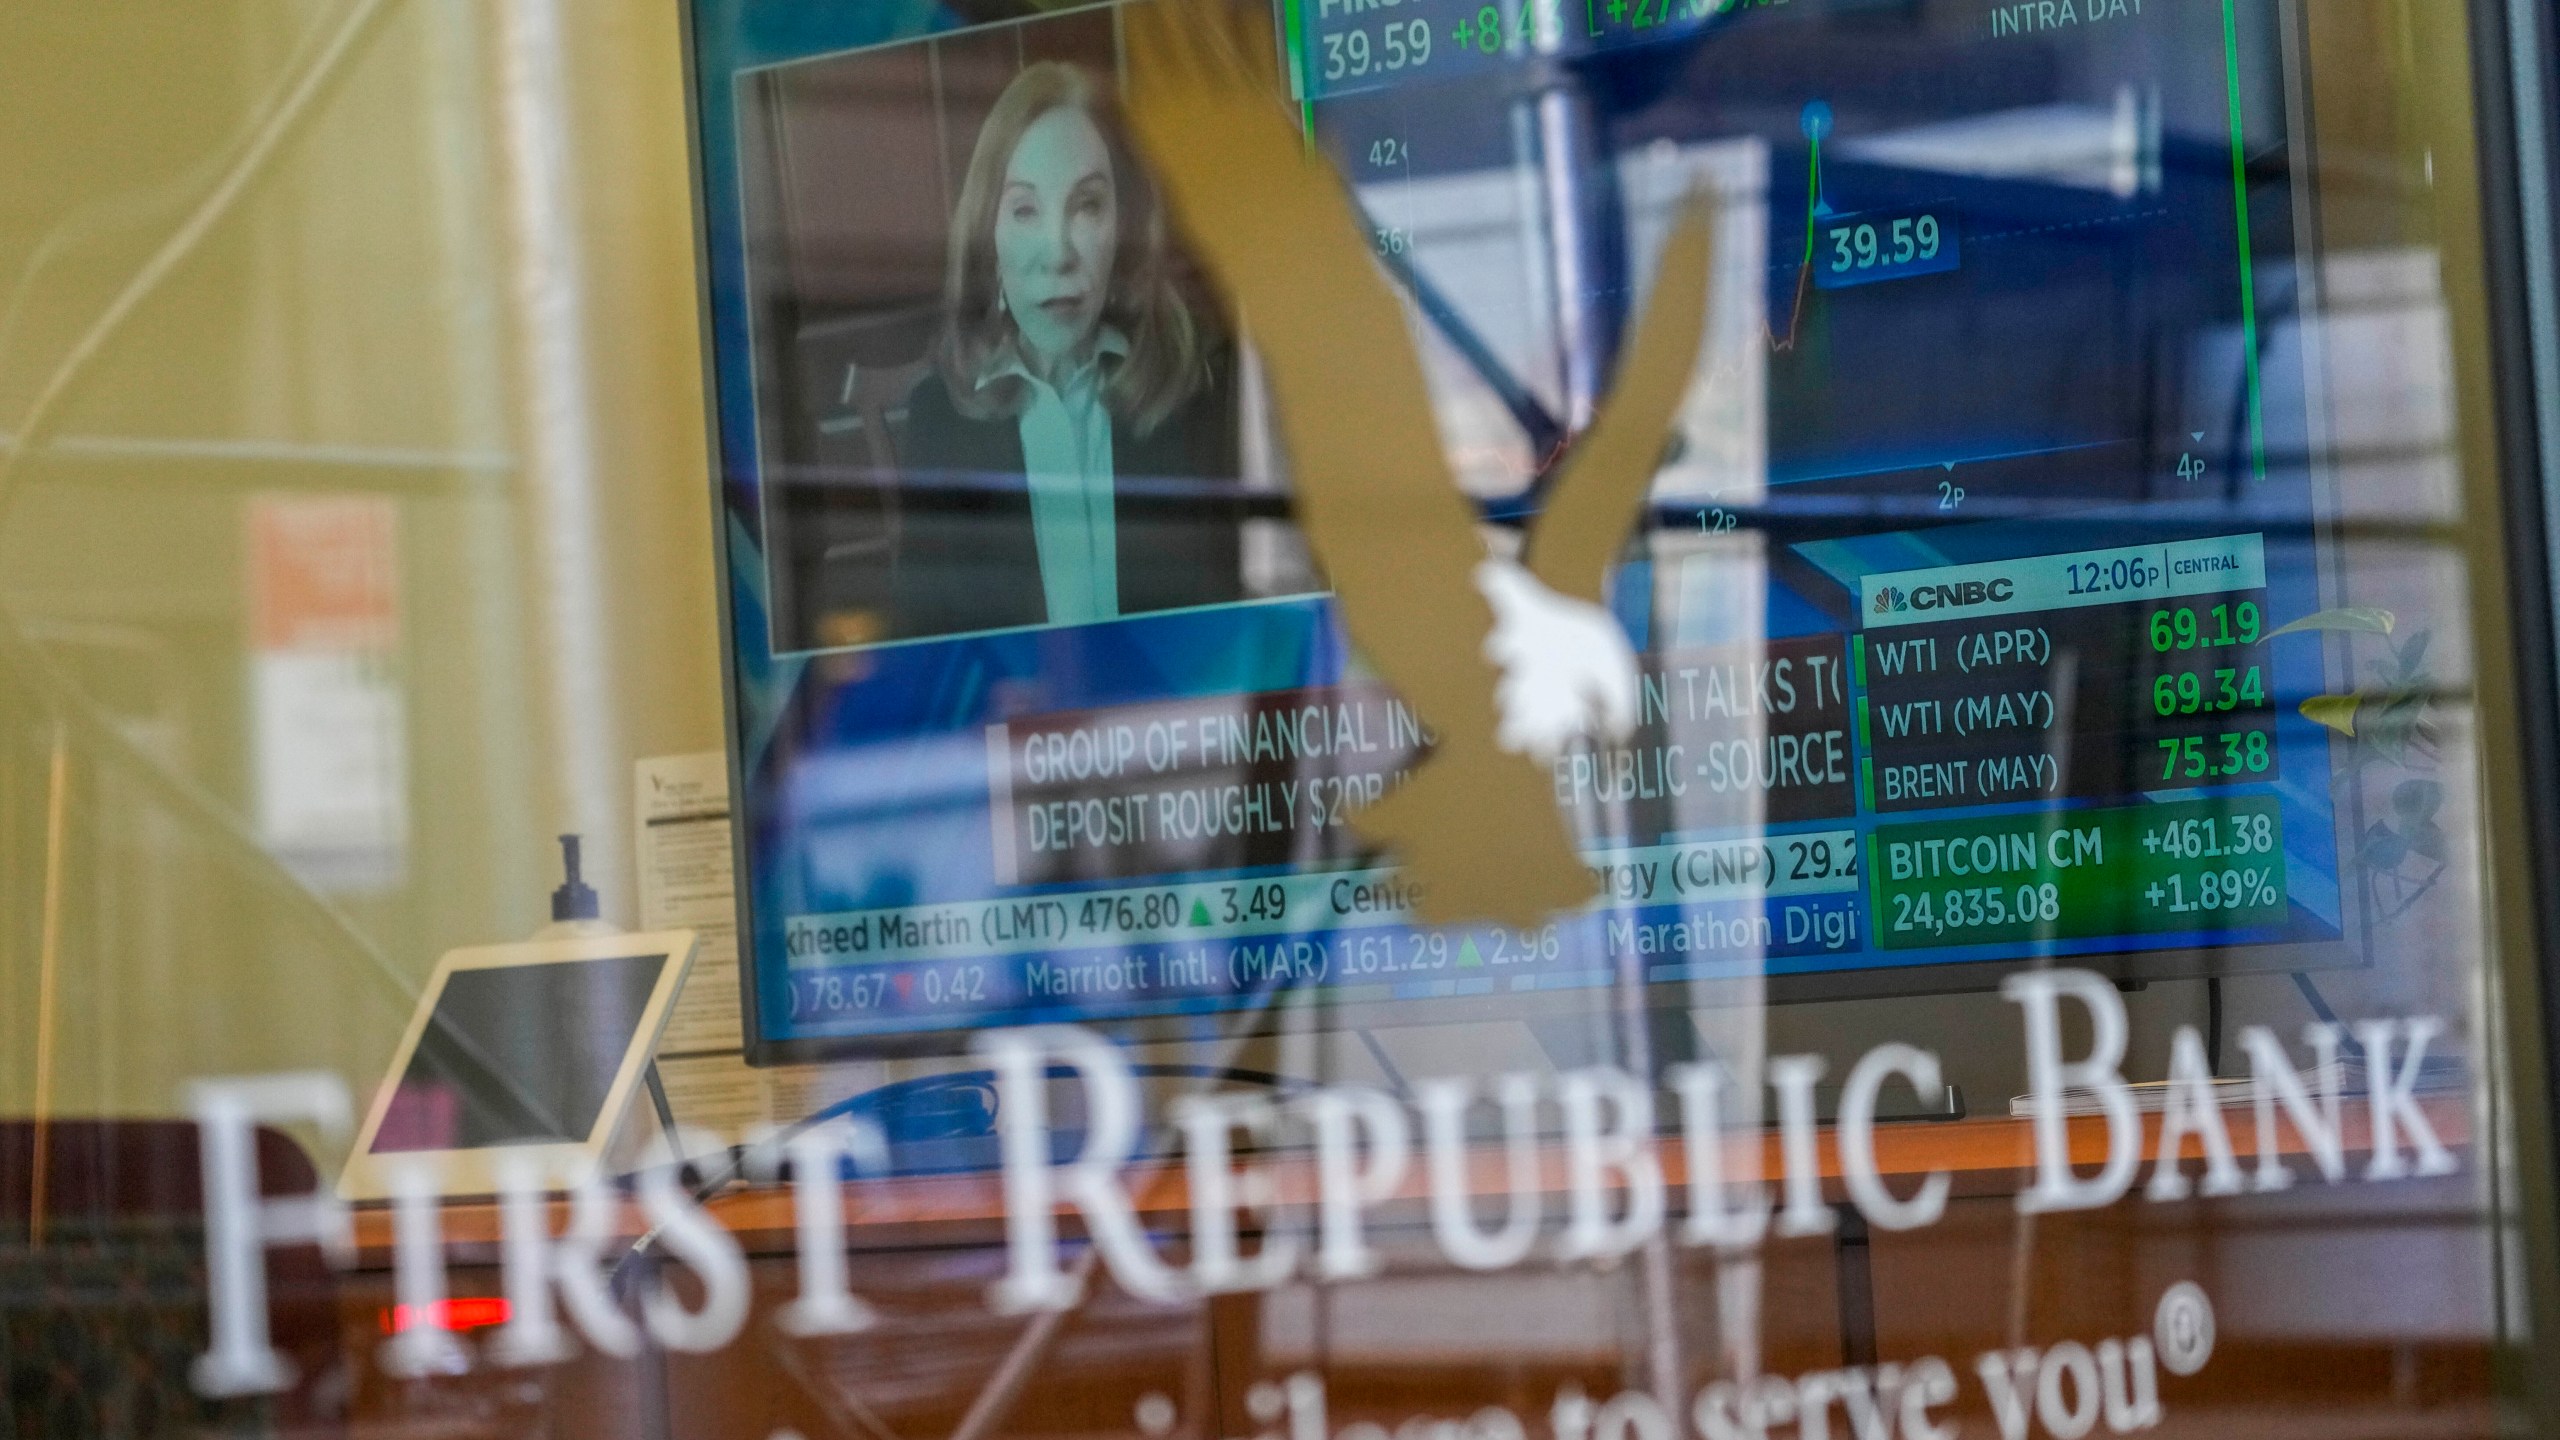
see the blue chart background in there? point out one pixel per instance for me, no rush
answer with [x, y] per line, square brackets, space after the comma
[2034, 364]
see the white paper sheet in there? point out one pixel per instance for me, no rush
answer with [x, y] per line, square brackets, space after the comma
[680, 810]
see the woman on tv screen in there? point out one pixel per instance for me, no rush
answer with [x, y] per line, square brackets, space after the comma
[1076, 424]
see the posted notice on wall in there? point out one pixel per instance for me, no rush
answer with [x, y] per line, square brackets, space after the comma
[680, 809]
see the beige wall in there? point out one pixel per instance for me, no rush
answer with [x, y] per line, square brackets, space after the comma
[356, 317]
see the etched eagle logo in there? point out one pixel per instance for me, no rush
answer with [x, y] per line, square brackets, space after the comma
[1505, 662]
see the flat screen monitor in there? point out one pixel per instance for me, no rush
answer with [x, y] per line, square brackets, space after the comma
[1989, 601]
[531, 1048]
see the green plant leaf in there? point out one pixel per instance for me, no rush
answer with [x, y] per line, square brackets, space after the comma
[2361, 619]
[2338, 712]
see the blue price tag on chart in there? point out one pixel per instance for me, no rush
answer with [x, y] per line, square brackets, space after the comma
[1879, 245]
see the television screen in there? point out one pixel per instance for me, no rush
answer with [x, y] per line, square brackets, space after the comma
[1988, 600]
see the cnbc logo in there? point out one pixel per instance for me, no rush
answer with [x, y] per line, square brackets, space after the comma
[1953, 595]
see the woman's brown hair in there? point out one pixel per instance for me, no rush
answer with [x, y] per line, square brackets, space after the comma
[1166, 355]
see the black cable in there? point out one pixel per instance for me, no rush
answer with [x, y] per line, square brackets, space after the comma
[2311, 993]
[658, 1098]
[2213, 1026]
[1386, 1064]
[2320, 1007]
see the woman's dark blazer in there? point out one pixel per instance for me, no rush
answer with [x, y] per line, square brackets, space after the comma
[965, 558]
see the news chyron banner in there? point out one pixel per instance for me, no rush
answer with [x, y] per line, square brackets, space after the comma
[1961, 775]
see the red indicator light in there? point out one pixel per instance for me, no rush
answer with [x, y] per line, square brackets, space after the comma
[469, 1313]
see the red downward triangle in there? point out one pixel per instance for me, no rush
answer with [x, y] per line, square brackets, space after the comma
[906, 983]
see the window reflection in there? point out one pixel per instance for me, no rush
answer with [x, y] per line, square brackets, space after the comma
[2074, 554]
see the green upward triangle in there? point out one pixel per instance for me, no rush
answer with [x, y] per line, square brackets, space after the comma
[1199, 912]
[1469, 957]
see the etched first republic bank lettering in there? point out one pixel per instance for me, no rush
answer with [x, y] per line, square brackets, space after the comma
[1363, 1144]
